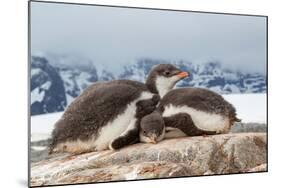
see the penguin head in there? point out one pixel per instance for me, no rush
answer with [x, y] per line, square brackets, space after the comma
[152, 128]
[163, 77]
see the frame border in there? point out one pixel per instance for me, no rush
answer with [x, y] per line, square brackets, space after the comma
[143, 8]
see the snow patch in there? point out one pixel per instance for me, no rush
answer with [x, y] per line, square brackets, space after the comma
[35, 71]
[69, 99]
[46, 85]
[36, 95]
[251, 108]
[44, 124]
[39, 136]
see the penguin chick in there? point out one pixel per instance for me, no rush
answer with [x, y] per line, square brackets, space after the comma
[200, 109]
[152, 128]
[107, 115]
[189, 112]
[163, 77]
[155, 128]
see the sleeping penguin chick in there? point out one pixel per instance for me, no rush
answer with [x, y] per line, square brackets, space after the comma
[152, 128]
[188, 112]
[196, 111]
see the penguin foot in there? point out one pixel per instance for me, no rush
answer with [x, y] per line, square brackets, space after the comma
[116, 144]
[125, 140]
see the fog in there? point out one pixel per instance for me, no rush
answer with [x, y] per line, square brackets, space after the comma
[114, 36]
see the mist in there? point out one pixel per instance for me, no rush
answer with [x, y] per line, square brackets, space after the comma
[112, 37]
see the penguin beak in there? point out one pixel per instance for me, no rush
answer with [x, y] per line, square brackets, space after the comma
[153, 138]
[183, 74]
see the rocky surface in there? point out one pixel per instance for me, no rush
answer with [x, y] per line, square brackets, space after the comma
[189, 156]
[260, 168]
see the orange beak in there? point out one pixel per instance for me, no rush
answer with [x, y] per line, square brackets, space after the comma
[183, 74]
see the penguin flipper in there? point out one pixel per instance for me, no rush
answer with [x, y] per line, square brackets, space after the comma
[128, 137]
[183, 122]
[145, 107]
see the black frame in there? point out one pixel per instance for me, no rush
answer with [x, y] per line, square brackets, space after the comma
[144, 8]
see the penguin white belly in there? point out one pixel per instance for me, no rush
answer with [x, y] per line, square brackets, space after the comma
[116, 127]
[172, 132]
[122, 123]
[202, 120]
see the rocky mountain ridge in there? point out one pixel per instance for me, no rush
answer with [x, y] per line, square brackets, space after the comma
[55, 83]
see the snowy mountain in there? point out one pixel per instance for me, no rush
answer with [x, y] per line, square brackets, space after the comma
[72, 74]
[106, 76]
[47, 88]
[76, 72]
[209, 75]
[56, 81]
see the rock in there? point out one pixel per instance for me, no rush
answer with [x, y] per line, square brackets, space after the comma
[189, 156]
[260, 168]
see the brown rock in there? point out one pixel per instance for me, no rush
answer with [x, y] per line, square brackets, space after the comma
[189, 156]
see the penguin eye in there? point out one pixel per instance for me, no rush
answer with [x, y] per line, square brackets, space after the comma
[167, 73]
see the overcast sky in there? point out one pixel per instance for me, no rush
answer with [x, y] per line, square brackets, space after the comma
[114, 36]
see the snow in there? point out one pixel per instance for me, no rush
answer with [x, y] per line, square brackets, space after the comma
[232, 88]
[42, 125]
[39, 136]
[36, 95]
[74, 82]
[69, 98]
[230, 76]
[83, 80]
[46, 85]
[215, 89]
[35, 71]
[251, 108]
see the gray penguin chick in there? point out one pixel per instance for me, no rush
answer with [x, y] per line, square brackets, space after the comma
[152, 128]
